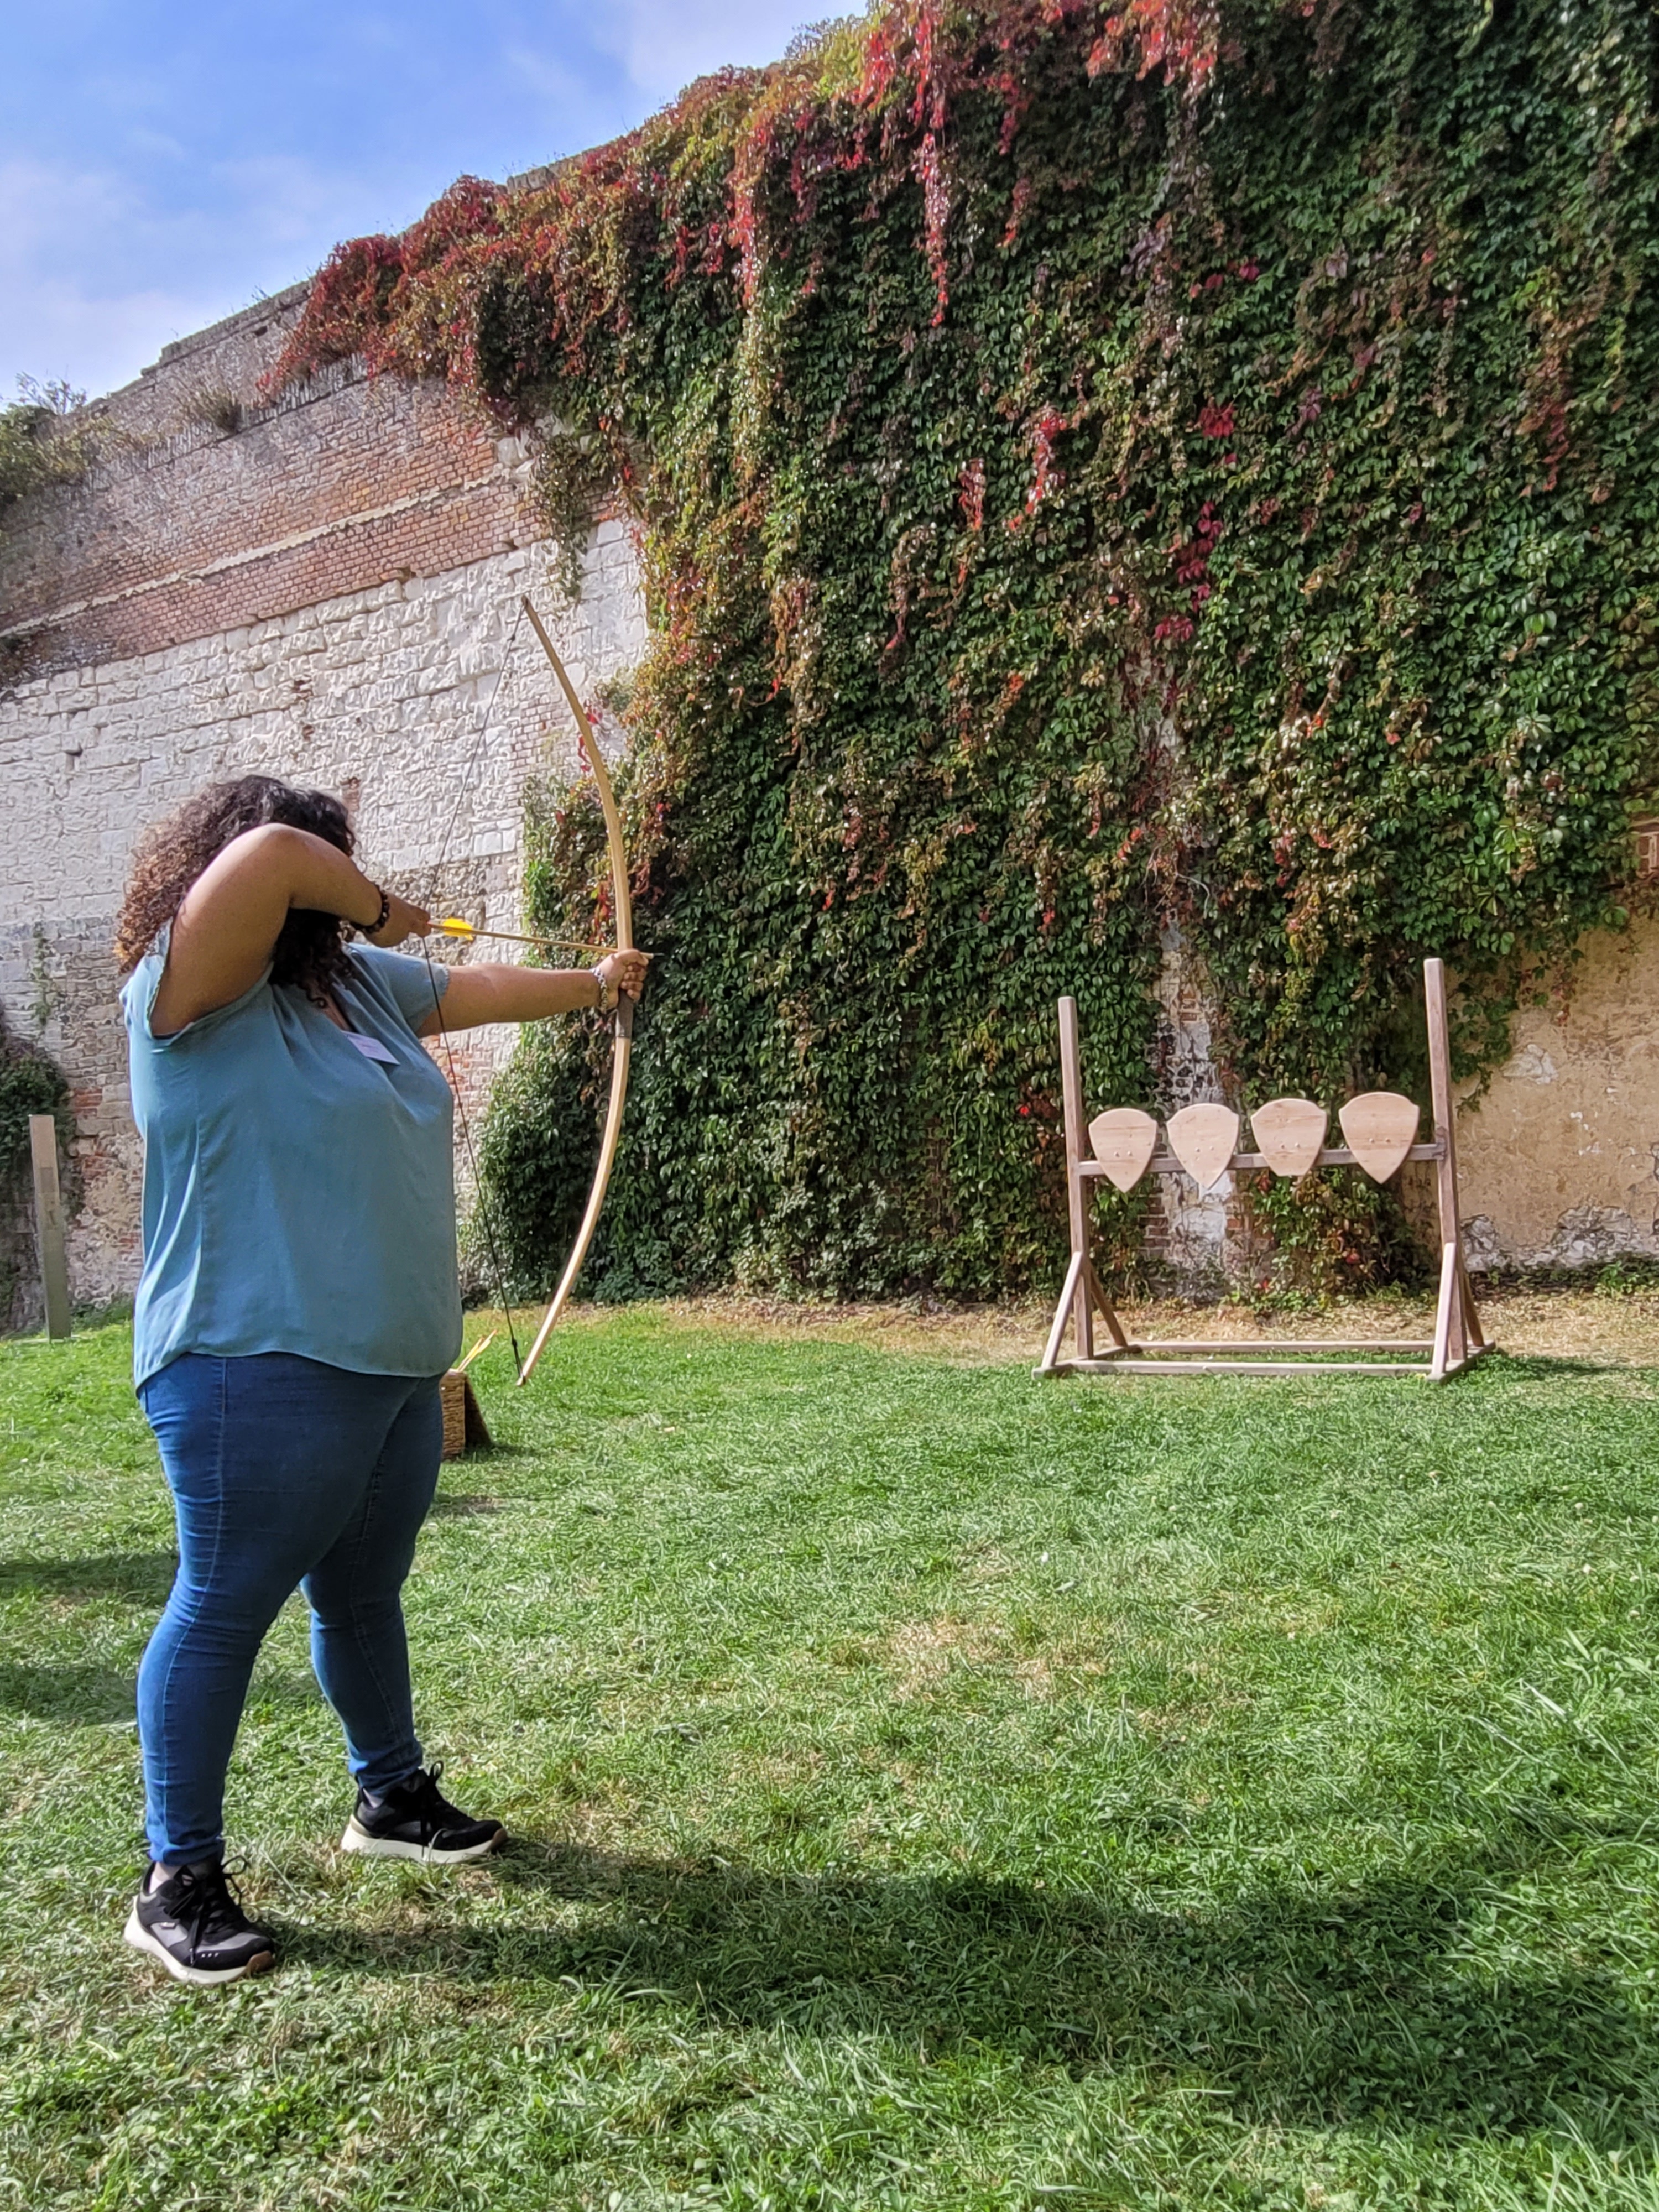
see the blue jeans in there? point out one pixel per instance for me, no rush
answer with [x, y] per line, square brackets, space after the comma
[285, 1475]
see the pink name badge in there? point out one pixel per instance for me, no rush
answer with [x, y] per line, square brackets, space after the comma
[371, 1049]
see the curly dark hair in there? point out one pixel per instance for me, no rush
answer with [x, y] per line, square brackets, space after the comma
[310, 949]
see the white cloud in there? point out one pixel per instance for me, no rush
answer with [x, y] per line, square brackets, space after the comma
[296, 209]
[57, 322]
[108, 254]
[94, 279]
[665, 44]
[44, 205]
[548, 77]
[53, 332]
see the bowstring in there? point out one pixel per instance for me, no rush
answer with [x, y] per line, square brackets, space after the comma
[486, 1211]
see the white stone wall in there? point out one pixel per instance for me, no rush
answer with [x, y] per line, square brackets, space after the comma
[428, 702]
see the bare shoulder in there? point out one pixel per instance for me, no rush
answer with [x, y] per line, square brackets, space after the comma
[226, 929]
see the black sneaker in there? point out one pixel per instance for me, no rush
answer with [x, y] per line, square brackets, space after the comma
[194, 1925]
[415, 1820]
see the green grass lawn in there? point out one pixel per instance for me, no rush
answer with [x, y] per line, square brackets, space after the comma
[932, 1787]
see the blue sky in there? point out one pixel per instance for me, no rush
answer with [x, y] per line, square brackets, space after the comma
[160, 166]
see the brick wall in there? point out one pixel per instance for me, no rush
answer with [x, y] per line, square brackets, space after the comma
[185, 528]
[328, 592]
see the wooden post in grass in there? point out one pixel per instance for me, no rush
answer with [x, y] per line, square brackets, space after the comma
[49, 1223]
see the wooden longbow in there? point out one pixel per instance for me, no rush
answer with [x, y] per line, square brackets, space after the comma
[624, 1031]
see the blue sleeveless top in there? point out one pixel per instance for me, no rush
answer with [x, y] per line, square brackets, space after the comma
[299, 1194]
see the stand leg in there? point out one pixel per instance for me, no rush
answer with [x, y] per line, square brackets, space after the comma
[1444, 1359]
[1076, 1199]
[1104, 1306]
[1471, 1311]
[1463, 1323]
[1062, 1312]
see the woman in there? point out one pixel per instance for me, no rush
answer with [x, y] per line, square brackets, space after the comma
[297, 1306]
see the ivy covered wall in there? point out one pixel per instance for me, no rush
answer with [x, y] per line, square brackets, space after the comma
[1105, 473]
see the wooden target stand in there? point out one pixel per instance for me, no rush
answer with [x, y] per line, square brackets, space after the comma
[1201, 1141]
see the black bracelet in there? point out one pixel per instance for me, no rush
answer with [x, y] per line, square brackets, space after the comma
[374, 928]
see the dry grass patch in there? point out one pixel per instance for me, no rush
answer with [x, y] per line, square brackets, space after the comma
[922, 1654]
[1619, 1326]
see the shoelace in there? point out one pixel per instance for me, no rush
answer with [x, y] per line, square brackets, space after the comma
[207, 1906]
[429, 1800]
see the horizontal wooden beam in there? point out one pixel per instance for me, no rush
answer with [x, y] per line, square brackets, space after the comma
[1333, 1156]
[1249, 1345]
[1236, 1367]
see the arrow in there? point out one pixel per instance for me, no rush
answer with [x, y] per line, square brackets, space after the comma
[453, 925]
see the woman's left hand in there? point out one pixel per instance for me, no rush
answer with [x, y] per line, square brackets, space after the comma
[625, 969]
[482, 991]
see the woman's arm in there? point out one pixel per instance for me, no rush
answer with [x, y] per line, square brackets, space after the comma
[224, 932]
[488, 992]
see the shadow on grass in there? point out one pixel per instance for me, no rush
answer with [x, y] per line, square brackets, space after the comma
[1499, 1366]
[1301, 2011]
[101, 1696]
[144, 1576]
[73, 1696]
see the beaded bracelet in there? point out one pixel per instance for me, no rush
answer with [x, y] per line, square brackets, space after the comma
[374, 928]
